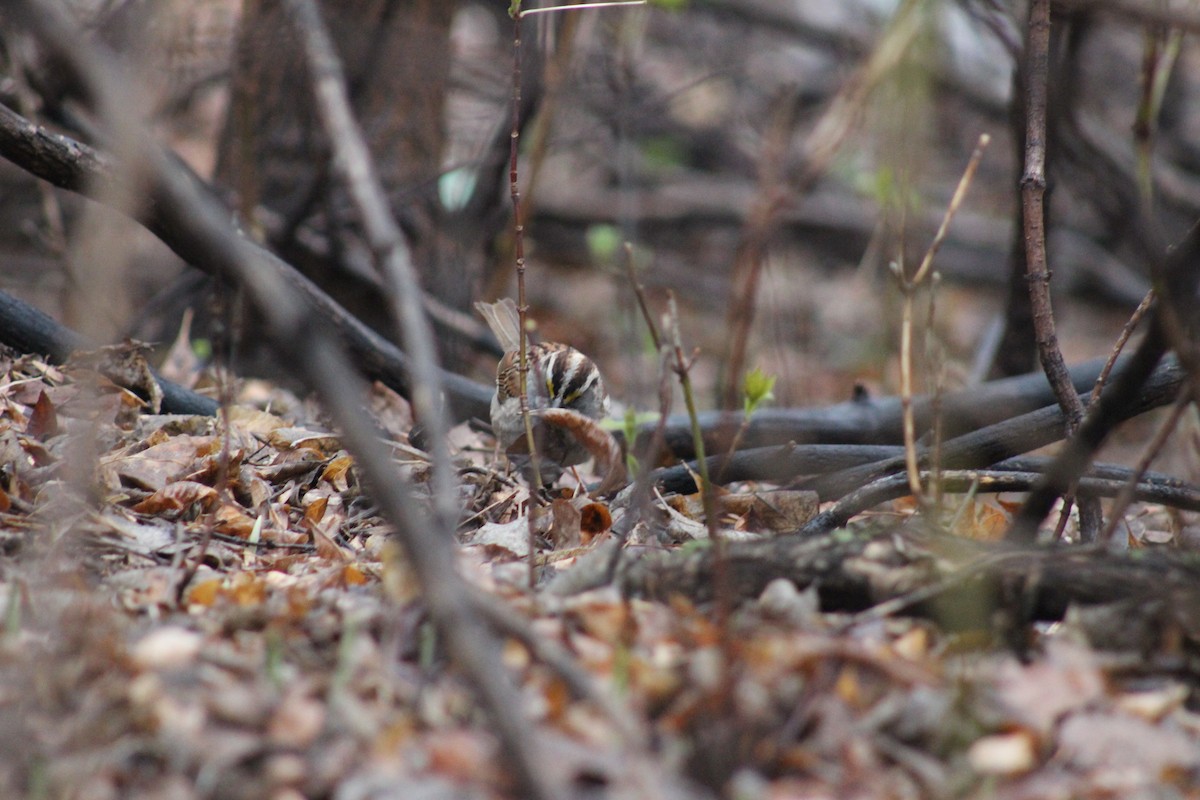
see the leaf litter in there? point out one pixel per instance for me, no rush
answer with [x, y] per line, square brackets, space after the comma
[210, 613]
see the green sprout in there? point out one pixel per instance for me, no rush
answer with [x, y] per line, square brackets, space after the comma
[757, 389]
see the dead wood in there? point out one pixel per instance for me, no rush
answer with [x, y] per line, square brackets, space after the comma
[28, 330]
[787, 463]
[971, 581]
[1179, 277]
[1018, 435]
[878, 420]
[192, 221]
[78, 167]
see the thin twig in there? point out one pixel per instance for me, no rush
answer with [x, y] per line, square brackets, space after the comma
[639, 291]
[1117, 511]
[1130, 325]
[581, 7]
[181, 204]
[722, 590]
[894, 486]
[1161, 51]
[523, 365]
[1033, 193]
[909, 289]
[639, 500]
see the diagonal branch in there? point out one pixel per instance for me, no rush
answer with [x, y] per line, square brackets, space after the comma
[201, 226]
[353, 164]
[80, 168]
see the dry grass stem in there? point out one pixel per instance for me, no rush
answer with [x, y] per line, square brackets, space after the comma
[909, 289]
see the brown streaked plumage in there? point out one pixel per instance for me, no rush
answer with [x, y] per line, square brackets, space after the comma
[559, 377]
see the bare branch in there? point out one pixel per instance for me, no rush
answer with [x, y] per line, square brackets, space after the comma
[201, 223]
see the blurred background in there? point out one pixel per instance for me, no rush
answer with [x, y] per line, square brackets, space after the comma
[766, 160]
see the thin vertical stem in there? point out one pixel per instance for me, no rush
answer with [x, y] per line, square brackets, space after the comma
[523, 366]
[1033, 198]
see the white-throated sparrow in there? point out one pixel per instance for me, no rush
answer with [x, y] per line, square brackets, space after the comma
[559, 377]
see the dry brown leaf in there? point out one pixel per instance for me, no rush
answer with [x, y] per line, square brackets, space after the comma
[782, 511]
[594, 519]
[176, 497]
[1154, 704]
[246, 589]
[314, 512]
[610, 461]
[352, 575]
[298, 720]
[204, 593]
[601, 613]
[337, 472]
[254, 422]
[391, 411]
[303, 439]
[323, 530]
[984, 519]
[233, 520]
[1127, 746]
[160, 464]
[125, 365]
[43, 419]
[146, 588]
[512, 536]
[565, 524]
[254, 487]
[463, 755]
[1041, 693]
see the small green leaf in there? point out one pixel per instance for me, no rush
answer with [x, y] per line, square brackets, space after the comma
[603, 242]
[202, 348]
[514, 8]
[757, 389]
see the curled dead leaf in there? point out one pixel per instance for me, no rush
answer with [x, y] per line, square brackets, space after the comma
[126, 366]
[303, 439]
[782, 511]
[232, 520]
[610, 461]
[177, 496]
[594, 520]
[160, 464]
[323, 536]
[337, 472]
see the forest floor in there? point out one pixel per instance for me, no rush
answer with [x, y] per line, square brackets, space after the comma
[220, 613]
